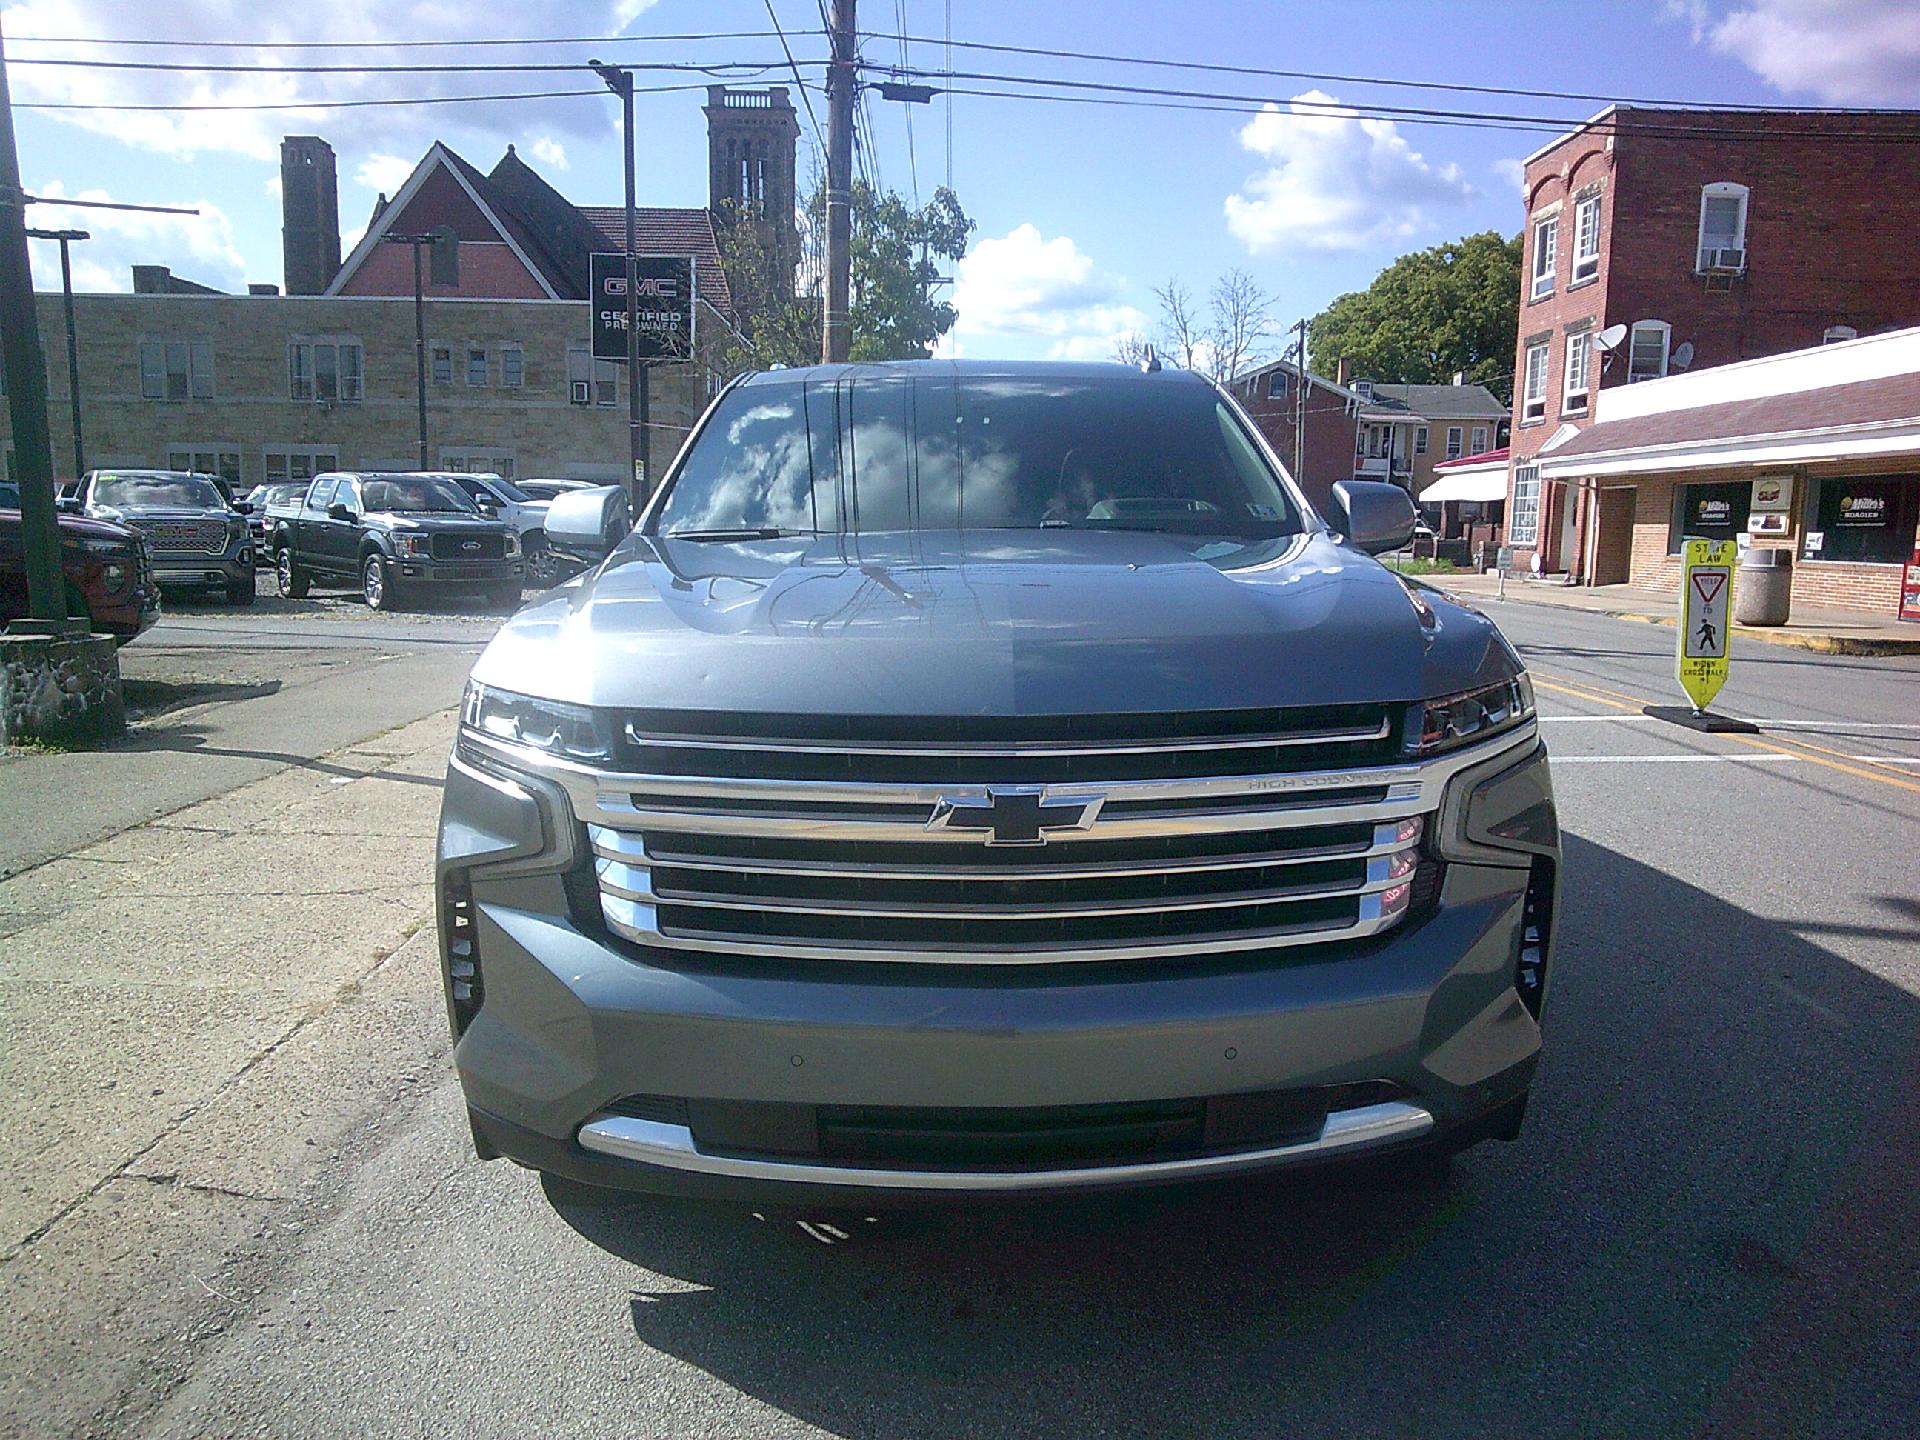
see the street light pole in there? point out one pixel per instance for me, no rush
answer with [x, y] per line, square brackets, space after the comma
[27, 391]
[640, 480]
[73, 345]
[420, 351]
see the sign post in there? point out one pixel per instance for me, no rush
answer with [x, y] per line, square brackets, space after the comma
[1706, 608]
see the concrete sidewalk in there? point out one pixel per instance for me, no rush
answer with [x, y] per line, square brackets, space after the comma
[1813, 627]
[199, 1017]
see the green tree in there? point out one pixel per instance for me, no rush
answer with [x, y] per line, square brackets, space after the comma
[1453, 308]
[896, 256]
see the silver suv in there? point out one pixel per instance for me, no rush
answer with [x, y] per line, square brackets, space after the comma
[990, 778]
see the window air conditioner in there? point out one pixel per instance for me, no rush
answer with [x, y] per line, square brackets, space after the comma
[582, 392]
[1725, 258]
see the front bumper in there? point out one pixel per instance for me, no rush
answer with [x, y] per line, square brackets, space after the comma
[452, 574]
[233, 568]
[570, 1022]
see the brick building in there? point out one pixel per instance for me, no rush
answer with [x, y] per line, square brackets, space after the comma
[1406, 430]
[267, 386]
[1270, 395]
[1708, 237]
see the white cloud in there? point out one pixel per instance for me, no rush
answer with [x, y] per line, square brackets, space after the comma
[197, 247]
[550, 152]
[1843, 52]
[275, 188]
[383, 174]
[1512, 173]
[1335, 181]
[361, 23]
[1021, 292]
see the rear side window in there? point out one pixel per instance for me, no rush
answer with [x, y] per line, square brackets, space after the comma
[933, 450]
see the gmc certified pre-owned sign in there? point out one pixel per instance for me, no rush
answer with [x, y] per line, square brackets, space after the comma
[663, 303]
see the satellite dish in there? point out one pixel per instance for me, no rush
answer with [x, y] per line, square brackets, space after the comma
[1682, 355]
[1610, 337]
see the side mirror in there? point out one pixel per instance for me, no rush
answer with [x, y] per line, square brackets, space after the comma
[68, 505]
[587, 524]
[337, 511]
[487, 506]
[1372, 515]
[243, 507]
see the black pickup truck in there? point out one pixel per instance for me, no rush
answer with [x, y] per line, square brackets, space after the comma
[393, 535]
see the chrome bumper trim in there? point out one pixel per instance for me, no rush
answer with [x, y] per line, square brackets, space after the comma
[672, 1147]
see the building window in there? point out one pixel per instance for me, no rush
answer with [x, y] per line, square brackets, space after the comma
[1546, 247]
[1479, 440]
[1277, 385]
[476, 369]
[1533, 398]
[1579, 370]
[1723, 227]
[1709, 512]
[326, 371]
[1420, 440]
[1363, 388]
[1866, 519]
[1454, 436]
[442, 365]
[1525, 529]
[590, 381]
[1834, 334]
[220, 460]
[513, 366]
[176, 370]
[287, 462]
[1647, 351]
[470, 461]
[1586, 240]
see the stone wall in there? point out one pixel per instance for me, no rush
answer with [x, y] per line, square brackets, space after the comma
[59, 688]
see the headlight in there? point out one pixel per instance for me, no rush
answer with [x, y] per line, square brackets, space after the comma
[1455, 720]
[116, 549]
[114, 573]
[513, 543]
[569, 732]
[413, 544]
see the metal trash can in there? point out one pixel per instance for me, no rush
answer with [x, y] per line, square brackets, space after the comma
[1764, 592]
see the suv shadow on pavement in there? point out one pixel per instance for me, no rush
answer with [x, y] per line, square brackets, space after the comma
[1708, 1225]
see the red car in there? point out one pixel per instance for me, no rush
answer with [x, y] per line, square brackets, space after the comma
[109, 577]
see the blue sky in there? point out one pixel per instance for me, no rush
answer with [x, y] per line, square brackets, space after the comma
[1082, 209]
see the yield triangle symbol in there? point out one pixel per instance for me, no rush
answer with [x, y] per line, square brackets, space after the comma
[1708, 585]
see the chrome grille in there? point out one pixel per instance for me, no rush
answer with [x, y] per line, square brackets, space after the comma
[1194, 865]
[184, 537]
[468, 545]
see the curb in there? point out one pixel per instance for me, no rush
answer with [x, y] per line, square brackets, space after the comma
[1820, 642]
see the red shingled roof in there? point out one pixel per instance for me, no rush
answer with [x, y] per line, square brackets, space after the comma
[664, 230]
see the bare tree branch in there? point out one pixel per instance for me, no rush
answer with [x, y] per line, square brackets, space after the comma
[1241, 319]
[1180, 324]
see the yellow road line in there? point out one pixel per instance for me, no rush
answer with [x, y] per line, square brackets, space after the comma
[1798, 749]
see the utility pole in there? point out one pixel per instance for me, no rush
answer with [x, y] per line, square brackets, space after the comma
[73, 345]
[640, 478]
[445, 244]
[1300, 402]
[836, 323]
[26, 373]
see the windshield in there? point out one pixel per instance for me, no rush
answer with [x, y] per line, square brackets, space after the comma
[936, 451]
[511, 491]
[391, 493]
[156, 491]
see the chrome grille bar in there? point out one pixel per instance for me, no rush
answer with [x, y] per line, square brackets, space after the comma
[1039, 749]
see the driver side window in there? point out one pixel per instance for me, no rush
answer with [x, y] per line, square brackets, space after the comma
[348, 494]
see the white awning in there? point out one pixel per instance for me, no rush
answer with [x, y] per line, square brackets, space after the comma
[1481, 483]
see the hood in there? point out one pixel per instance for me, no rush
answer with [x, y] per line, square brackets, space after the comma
[440, 524]
[991, 623]
[75, 527]
[135, 514]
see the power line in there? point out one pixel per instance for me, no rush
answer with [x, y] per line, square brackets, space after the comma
[127, 43]
[217, 107]
[913, 163]
[713, 68]
[1328, 78]
[805, 98]
[1413, 113]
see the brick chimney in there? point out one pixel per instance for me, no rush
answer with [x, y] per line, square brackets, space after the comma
[1343, 371]
[310, 214]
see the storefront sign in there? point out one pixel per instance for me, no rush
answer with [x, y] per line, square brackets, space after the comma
[1706, 607]
[1772, 495]
[663, 306]
[1857, 511]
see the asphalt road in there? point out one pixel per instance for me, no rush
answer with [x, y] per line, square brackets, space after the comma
[1709, 1227]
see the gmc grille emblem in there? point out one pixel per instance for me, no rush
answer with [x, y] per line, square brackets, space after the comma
[1022, 815]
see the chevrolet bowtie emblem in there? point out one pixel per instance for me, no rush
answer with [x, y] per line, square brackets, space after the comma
[1021, 815]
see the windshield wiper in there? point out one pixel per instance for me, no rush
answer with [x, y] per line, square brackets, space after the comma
[764, 532]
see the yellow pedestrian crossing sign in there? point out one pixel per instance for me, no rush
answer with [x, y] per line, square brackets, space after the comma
[1706, 607]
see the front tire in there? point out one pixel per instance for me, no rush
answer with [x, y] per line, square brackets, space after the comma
[293, 577]
[376, 584]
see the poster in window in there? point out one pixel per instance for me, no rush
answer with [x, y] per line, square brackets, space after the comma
[1772, 495]
[1868, 519]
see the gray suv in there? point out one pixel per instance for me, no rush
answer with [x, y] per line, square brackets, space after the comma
[983, 778]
